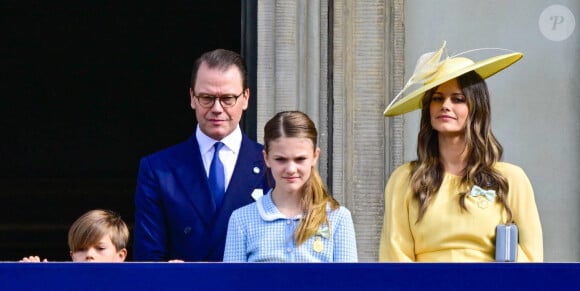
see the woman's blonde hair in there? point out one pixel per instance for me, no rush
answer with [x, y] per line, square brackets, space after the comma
[88, 230]
[315, 196]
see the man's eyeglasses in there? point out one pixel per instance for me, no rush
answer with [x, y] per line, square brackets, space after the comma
[226, 101]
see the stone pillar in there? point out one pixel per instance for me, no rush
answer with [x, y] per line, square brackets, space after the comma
[340, 62]
[363, 64]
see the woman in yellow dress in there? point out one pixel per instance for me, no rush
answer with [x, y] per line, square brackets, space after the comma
[445, 206]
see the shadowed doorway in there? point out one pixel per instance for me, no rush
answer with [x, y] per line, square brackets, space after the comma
[89, 88]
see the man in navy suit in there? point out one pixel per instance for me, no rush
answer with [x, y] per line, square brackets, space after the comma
[177, 217]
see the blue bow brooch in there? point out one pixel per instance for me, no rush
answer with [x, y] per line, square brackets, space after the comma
[477, 191]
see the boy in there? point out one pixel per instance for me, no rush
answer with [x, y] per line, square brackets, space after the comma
[96, 236]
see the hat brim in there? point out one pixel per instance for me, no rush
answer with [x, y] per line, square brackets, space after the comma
[485, 69]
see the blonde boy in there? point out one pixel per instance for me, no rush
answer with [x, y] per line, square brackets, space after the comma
[96, 236]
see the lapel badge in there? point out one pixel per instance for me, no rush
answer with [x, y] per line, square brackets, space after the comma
[257, 194]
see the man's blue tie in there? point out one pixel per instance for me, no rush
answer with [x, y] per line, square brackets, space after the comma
[217, 180]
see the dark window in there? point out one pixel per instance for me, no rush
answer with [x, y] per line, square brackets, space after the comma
[88, 88]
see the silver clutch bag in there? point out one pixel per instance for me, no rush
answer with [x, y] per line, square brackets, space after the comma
[506, 242]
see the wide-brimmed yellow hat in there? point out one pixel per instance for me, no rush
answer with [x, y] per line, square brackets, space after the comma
[433, 72]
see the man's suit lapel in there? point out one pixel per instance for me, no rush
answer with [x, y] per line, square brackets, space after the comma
[248, 175]
[195, 183]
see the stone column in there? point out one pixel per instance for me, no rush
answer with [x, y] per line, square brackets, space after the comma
[340, 62]
[292, 64]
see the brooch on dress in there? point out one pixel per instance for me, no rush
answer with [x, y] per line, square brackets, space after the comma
[484, 197]
[323, 232]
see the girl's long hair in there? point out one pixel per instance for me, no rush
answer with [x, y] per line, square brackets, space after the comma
[483, 149]
[315, 197]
